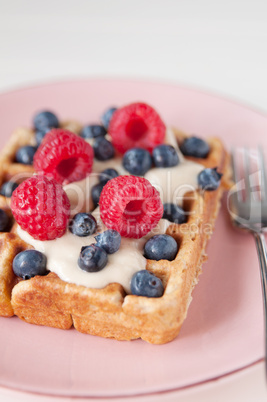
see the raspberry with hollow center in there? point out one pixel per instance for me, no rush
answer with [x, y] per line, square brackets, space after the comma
[64, 156]
[41, 207]
[136, 125]
[130, 205]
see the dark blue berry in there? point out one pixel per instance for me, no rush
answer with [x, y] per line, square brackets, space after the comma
[44, 120]
[110, 241]
[7, 188]
[25, 154]
[209, 179]
[194, 146]
[103, 149]
[93, 131]
[174, 213]
[165, 156]
[4, 221]
[144, 283]
[106, 117]
[29, 263]
[96, 192]
[83, 225]
[161, 247]
[39, 135]
[107, 175]
[92, 258]
[137, 161]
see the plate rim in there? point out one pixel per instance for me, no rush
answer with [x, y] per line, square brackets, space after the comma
[145, 80]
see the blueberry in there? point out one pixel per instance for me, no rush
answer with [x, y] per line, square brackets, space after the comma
[194, 146]
[4, 221]
[44, 120]
[137, 161]
[209, 179]
[39, 135]
[96, 192]
[103, 149]
[106, 117]
[29, 263]
[93, 131]
[161, 247]
[144, 283]
[165, 156]
[107, 175]
[110, 241]
[83, 225]
[7, 188]
[92, 258]
[174, 213]
[25, 155]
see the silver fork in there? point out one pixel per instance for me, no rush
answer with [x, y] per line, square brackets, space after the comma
[247, 204]
[248, 209]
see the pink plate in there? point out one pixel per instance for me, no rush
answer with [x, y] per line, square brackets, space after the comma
[224, 328]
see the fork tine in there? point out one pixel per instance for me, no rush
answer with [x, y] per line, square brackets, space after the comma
[263, 174]
[235, 172]
[247, 173]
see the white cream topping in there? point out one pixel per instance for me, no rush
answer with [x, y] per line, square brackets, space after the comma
[63, 253]
[115, 163]
[79, 194]
[172, 183]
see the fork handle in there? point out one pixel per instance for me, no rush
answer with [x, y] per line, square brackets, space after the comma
[262, 254]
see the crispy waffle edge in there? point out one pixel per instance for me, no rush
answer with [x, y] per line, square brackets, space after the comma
[109, 312]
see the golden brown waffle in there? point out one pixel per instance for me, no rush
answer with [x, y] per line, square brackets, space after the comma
[109, 312]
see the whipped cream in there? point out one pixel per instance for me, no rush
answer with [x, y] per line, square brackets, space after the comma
[173, 183]
[63, 253]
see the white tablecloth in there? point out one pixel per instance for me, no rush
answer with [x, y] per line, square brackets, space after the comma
[212, 45]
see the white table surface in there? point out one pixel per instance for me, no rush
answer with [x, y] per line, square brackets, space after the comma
[219, 46]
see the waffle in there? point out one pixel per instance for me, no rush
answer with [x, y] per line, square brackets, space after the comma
[110, 312]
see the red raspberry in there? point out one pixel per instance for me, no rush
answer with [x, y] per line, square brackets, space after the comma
[136, 125]
[64, 156]
[41, 207]
[130, 205]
